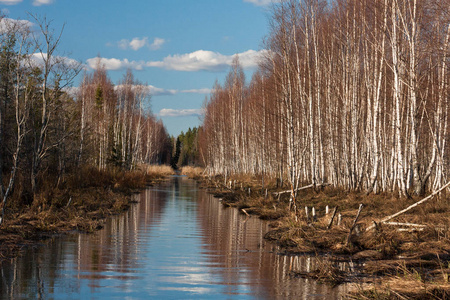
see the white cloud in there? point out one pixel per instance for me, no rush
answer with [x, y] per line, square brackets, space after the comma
[250, 58]
[195, 61]
[7, 23]
[197, 91]
[37, 59]
[10, 2]
[42, 2]
[135, 43]
[115, 64]
[206, 60]
[168, 112]
[262, 2]
[122, 44]
[157, 43]
[200, 60]
[155, 91]
[139, 43]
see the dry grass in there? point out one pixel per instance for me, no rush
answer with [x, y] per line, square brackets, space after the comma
[400, 287]
[387, 240]
[192, 172]
[326, 271]
[157, 170]
[413, 254]
[80, 203]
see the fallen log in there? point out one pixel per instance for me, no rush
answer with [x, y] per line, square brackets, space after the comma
[411, 206]
[413, 226]
[290, 191]
[413, 229]
[302, 188]
[405, 224]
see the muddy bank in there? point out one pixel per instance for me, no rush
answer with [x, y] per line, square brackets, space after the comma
[81, 204]
[414, 248]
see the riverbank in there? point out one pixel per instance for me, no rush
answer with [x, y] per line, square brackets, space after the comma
[408, 258]
[80, 204]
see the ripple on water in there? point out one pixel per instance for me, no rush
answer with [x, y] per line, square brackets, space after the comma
[177, 242]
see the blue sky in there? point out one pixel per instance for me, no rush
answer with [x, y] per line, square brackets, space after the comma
[179, 47]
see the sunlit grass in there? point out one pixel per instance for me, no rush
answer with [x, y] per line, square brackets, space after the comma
[158, 170]
[192, 172]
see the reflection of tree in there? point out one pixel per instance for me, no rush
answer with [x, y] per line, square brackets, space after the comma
[114, 249]
[237, 247]
[118, 244]
[233, 253]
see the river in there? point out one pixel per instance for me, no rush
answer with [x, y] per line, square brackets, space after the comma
[176, 242]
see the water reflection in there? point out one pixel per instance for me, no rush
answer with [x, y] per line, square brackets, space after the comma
[178, 242]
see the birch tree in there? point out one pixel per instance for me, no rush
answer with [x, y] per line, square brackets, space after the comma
[56, 74]
[18, 70]
[352, 93]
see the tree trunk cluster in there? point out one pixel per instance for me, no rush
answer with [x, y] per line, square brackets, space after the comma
[353, 93]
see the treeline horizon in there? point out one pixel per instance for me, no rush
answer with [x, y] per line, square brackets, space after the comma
[47, 135]
[352, 93]
[125, 133]
[185, 149]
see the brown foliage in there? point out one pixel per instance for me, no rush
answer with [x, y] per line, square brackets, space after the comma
[80, 203]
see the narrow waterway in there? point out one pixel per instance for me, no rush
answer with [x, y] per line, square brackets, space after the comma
[177, 242]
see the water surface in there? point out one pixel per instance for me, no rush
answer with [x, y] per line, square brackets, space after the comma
[177, 242]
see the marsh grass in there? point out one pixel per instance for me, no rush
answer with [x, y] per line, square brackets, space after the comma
[435, 214]
[79, 202]
[157, 171]
[326, 271]
[192, 172]
[400, 288]
[402, 256]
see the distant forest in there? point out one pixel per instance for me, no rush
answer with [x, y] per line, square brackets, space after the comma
[186, 152]
[352, 93]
